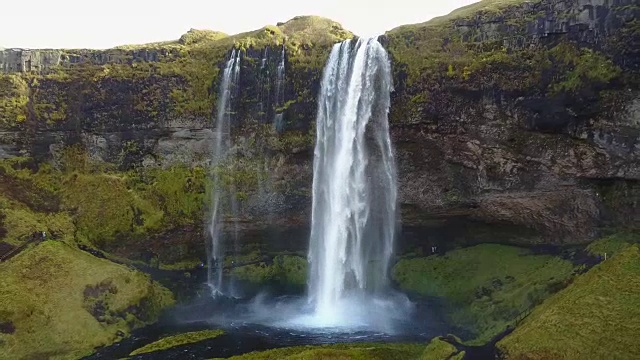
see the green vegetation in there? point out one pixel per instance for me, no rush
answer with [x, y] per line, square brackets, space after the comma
[595, 317]
[177, 78]
[364, 351]
[285, 270]
[105, 208]
[177, 340]
[88, 203]
[486, 46]
[14, 96]
[584, 67]
[195, 36]
[64, 302]
[614, 243]
[486, 286]
[439, 349]
[480, 8]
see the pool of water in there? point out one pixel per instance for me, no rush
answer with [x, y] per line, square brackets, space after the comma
[269, 322]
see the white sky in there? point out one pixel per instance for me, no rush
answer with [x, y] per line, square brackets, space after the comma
[104, 24]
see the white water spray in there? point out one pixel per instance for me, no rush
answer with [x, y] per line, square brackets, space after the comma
[354, 183]
[220, 197]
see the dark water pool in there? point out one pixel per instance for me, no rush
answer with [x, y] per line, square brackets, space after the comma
[247, 329]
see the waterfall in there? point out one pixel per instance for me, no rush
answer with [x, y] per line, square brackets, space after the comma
[280, 91]
[222, 198]
[354, 180]
[264, 82]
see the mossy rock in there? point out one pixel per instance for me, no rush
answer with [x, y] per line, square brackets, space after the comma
[177, 340]
[284, 271]
[64, 302]
[486, 286]
[595, 317]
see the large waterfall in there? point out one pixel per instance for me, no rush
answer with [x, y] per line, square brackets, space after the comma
[354, 181]
[221, 198]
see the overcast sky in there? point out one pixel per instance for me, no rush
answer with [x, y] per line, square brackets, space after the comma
[104, 24]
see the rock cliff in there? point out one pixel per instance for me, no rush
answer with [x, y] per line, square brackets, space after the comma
[522, 117]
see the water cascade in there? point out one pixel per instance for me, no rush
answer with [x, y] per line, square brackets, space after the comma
[280, 91]
[221, 198]
[354, 183]
[264, 81]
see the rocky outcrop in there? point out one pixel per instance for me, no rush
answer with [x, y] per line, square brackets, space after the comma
[40, 61]
[521, 115]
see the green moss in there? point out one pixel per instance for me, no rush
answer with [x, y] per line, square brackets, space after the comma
[177, 340]
[585, 68]
[364, 351]
[14, 96]
[595, 317]
[44, 292]
[486, 286]
[477, 9]
[292, 141]
[613, 244]
[284, 270]
[438, 349]
[21, 223]
[179, 191]
[195, 36]
[105, 208]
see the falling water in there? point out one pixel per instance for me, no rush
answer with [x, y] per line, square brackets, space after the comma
[354, 181]
[264, 81]
[280, 91]
[220, 197]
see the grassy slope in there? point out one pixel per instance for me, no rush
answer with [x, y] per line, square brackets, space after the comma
[437, 349]
[594, 318]
[487, 286]
[364, 351]
[43, 293]
[614, 243]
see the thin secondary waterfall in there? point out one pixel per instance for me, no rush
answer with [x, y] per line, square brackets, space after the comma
[264, 82]
[221, 197]
[354, 180]
[280, 90]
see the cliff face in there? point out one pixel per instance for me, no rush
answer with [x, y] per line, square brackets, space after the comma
[518, 117]
[525, 114]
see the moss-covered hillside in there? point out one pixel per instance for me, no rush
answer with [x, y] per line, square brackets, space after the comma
[595, 317]
[486, 288]
[58, 302]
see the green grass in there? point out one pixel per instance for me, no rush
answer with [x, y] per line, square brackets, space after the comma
[439, 349]
[285, 270]
[613, 244]
[56, 295]
[490, 7]
[594, 318]
[177, 340]
[364, 351]
[485, 286]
